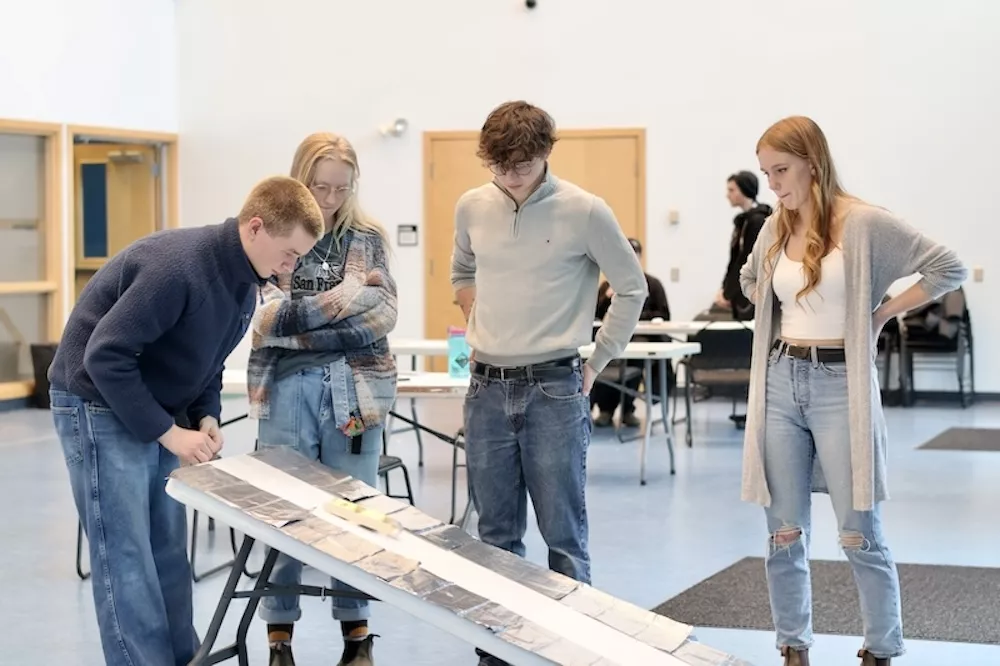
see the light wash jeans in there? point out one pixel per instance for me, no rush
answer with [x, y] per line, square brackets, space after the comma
[807, 416]
[136, 534]
[305, 411]
[530, 438]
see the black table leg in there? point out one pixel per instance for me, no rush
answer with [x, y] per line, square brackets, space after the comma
[205, 656]
[262, 588]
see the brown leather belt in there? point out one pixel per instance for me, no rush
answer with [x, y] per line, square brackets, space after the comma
[823, 354]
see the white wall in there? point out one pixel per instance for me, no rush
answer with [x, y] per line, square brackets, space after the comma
[912, 130]
[89, 62]
[106, 63]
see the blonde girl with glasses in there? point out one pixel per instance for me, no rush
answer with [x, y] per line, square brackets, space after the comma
[321, 376]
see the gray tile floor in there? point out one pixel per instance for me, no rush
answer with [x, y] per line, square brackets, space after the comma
[648, 543]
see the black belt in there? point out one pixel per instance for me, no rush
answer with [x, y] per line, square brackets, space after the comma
[548, 368]
[823, 354]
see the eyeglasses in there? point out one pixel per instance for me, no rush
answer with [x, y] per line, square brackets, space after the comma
[521, 168]
[322, 190]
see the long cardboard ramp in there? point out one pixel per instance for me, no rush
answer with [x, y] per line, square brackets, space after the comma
[519, 611]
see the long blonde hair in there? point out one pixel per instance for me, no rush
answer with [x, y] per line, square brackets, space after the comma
[802, 137]
[327, 146]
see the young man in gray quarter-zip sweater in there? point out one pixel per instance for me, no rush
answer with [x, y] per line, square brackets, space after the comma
[529, 250]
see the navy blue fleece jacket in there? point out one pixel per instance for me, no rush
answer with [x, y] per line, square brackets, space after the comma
[151, 331]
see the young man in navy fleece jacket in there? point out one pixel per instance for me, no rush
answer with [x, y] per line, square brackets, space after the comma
[138, 368]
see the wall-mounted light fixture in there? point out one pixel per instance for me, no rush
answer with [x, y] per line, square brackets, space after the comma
[397, 127]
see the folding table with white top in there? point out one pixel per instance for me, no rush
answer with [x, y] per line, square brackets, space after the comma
[516, 610]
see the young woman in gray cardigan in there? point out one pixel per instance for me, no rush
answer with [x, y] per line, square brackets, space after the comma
[817, 274]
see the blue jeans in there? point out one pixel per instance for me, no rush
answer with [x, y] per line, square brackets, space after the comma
[807, 416]
[136, 533]
[529, 437]
[304, 415]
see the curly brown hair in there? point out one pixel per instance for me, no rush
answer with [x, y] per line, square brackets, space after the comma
[516, 132]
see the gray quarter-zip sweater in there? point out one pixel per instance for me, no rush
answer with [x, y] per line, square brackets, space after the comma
[536, 269]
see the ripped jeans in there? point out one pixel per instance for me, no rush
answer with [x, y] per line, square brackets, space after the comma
[807, 416]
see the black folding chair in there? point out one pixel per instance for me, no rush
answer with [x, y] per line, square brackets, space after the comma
[721, 369]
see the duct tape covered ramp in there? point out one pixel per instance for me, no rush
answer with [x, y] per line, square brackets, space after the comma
[391, 551]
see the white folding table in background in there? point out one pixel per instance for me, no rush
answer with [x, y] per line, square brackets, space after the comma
[414, 348]
[428, 384]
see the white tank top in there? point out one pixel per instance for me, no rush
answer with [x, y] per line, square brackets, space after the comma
[819, 315]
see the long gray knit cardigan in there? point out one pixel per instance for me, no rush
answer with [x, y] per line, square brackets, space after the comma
[879, 249]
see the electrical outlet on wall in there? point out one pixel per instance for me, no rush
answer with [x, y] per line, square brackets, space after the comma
[675, 274]
[977, 274]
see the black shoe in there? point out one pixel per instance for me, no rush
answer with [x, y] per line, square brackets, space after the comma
[363, 656]
[281, 655]
[867, 659]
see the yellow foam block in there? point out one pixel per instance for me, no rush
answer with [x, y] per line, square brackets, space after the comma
[359, 515]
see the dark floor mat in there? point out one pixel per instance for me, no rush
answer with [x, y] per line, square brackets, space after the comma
[940, 603]
[965, 439]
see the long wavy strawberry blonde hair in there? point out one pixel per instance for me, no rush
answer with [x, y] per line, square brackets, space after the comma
[327, 146]
[802, 137]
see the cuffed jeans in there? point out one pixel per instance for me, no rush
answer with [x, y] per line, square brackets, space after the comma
[136, 533]
[304, 416]
[807, 416]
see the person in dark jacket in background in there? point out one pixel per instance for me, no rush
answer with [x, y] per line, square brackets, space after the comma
[741, 190]
[656, 307]
[136, 387]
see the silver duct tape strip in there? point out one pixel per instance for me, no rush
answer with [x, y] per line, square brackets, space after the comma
[243, 496]
[388, 566]
[205, 477]
[530, 636]
[352, 490]
[448, 537]
[551, 584]
[493, 616]
[456, 599]
[278, 513]
[287, 459]
[311, 530]
[655, 630]
[414, 520]
[419, 583]
[347, 547]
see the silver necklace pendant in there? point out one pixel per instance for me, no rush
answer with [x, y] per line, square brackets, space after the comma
[324, 270]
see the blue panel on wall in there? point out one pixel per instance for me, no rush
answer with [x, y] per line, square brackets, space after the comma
[94, 178]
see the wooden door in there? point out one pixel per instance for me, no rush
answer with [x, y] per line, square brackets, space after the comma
[117, 201]
[609, 163]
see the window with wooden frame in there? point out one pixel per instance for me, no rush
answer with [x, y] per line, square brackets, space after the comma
[124, 188]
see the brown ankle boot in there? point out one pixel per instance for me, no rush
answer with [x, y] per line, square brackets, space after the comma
[795, 657]
[868, 660]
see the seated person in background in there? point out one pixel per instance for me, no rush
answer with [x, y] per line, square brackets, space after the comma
[741, 190]
[656, 307]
